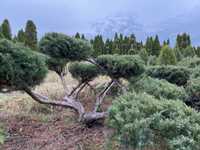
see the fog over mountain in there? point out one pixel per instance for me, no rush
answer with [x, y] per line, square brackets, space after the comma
[142, 17]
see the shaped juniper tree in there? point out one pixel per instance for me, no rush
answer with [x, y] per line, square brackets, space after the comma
[84, 72]
[22, 69]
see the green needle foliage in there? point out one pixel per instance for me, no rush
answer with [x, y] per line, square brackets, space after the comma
[61, 49]
[30, 35]
[83, 72]
[142, 121]
[193, 90]
[190, 62]
[6, 29]
[121, 66]
[167, 56]
[20, 66]
[173, 74]
[159, 88]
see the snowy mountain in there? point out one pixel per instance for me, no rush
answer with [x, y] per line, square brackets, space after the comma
[187, 22]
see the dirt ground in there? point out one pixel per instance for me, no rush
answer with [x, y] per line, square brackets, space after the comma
[25, 133]
[31, 126]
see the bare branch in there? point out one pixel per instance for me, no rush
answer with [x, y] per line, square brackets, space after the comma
[81, 88]
[72, 92]
[102, 95]
[92, 88]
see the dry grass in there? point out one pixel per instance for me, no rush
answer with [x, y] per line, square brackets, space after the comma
[20, 105]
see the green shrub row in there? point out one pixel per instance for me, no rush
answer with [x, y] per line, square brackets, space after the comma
[159, 88]
[173, 74]
[140, 120]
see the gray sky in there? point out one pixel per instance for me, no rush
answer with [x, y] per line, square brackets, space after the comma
[69, 16]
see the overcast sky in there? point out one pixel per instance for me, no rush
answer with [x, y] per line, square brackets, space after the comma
[69, 16]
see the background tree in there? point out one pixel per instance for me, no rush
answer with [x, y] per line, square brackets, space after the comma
[77, 35]
[31, 35]
[98, 45]
[21, 37]
[183, 41]
[83, 37]
[156, 46]
[167, 56]
[6, 29]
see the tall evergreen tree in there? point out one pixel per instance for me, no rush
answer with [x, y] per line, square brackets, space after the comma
[77, 36]
[21, 37]
[108, 47]
[183, 41]
[31, 35]
[6, 29]
[156, 46]
[149, 45]
[98, 45]
[1, 34]
[83, 37]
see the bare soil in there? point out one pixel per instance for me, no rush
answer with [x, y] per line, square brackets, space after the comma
[25, 133]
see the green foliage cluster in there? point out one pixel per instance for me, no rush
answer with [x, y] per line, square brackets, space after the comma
[190, 62]
[159, 88]
[30, 35]
[167, 56]
[6, 29]
[193, 90]
[183, 41]
[2, 136]
[173, 74]
[19, 66]
[61, 49]
[140, 120]
[189, 51]
[153, 45]
[121, 44]
[83, 72]
[121, 66]
[195, 73]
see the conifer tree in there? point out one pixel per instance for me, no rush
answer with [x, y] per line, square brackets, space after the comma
[83, 37]
[167, 56]
[156, 46]
[77, 36]
[6, 29]
[1, 34]
[31, 35]
[183, 41]
[21, 37]
[98, 45]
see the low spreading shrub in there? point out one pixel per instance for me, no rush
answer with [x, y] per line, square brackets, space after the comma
[20, 66]
[121, 66]
[159, 88]
[173, 74]
[140, 120]
[190, 62]
[195, 72]
[83, 72]
[193, 90]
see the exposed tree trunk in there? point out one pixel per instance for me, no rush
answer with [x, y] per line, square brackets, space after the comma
[68, 102]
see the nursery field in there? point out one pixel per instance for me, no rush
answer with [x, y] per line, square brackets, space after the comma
[32, 126]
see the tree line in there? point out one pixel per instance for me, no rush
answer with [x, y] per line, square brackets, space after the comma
[152, 49]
